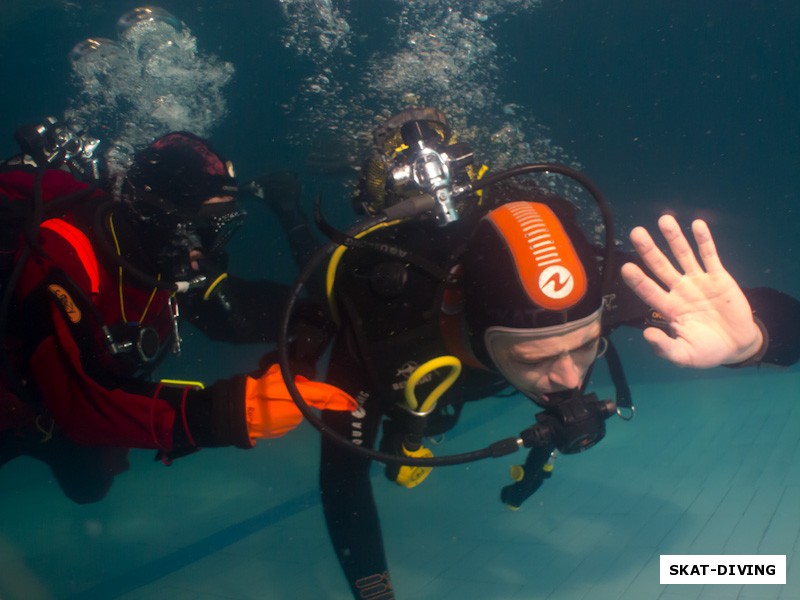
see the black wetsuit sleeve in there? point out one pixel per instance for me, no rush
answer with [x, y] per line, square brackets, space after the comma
[238, 310]
[623, 306]
[780, 315]
[217, 420]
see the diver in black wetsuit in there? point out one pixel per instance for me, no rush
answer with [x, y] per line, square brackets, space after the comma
[439, 311]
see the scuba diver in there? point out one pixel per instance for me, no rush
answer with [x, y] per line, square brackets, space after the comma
[92, 286]
[463, 283]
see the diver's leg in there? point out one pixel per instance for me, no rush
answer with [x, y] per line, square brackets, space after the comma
[84, 473]
[350, 511]
[10, 447]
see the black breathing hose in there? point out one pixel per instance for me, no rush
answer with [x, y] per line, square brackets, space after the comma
[111, 252]
[497, 449]
[500, 448]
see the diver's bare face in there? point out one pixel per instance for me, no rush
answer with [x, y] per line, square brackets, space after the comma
[552, 364]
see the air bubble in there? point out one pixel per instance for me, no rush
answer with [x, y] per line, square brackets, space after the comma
[151, 81]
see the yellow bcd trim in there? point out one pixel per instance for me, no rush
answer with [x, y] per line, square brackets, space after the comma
[183, 383]
[410, 477]
[423, 370]
[481, 173]
[214, 284]
[333, 265]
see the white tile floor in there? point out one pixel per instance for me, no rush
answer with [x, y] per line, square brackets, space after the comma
[709, 466]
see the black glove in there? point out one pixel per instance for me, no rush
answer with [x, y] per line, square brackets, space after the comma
[283, 192]
[310, 332]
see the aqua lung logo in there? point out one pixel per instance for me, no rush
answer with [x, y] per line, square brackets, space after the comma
[556, 282]
[404, 372]
[357, 431]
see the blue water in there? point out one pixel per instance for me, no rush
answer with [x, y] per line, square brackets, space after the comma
[684, 106]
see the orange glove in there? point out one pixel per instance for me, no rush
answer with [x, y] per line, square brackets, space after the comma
[270, 410]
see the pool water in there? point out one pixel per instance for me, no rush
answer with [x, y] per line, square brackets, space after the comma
[706, 467]
[689, 108]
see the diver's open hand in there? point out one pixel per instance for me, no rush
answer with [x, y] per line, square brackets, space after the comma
[707, 313]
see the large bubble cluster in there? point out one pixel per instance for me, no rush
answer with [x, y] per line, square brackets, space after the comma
[438, 53]
[314, 26]
[150, 80]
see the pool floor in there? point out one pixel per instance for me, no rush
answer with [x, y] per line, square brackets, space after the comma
[708, 466]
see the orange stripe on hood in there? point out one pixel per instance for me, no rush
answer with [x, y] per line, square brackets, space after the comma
[546, 261]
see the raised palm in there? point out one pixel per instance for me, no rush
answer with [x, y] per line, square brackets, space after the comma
[710, 320]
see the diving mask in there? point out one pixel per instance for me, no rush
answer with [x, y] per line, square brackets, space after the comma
[216, 223]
